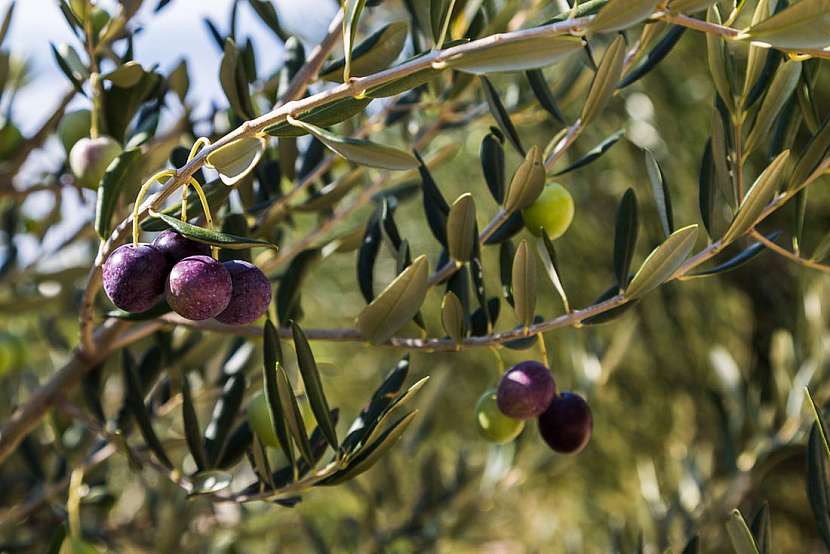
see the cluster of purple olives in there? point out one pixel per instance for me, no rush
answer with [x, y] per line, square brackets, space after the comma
[527, 391]
[195, 286]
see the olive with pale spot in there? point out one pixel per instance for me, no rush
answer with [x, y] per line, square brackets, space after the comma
[198, 288]
[133, 277]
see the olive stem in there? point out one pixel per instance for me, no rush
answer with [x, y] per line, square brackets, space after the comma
[200, 143]
[206, 208]
[144, 188]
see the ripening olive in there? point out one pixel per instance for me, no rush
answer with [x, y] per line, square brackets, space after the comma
[492, 423]
[552, 211]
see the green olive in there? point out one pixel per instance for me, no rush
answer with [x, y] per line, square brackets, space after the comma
[90, 157]
[73, 127]
[494, 425]
[259, 418]
[553, 211]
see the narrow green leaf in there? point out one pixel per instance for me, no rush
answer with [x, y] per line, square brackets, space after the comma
[290, 287]
[757, 198]
[375, 53]
[757, 56]
[499, 113]
[605, 81]
[655, 55]
[813, 155]
[214, 238]
[313, 385]
[362, 151]
[492, 163]
[122, 174]
[689, 6]
[804, 24]
[663, 261]
[70, 64]
[822, 426]
[762, 529]
[619, 14]
[322, 116]
[594, 153]
[518, 54]
[527, 183]
[452, 317]
[216, 194]
[706, 188]
[235, 87]
[782, 87]
[192, 430]
[7, 20]
[625, 236]
[292, 415]
[741, 258]
[739, 534]
[134, 399]
[351, 15]
[716, 54]
[524, 284]
[235, 160]
[272, 355]
[462, 230]
[822, 249]
[543, 94]
[396, 305]
[661, 192]
[225, 412]
[693, 546]
[544, 246]
[818, 486]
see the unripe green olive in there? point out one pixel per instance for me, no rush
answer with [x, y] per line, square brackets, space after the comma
[73, 127]
[89, 159]
[492, 423]
[259, 418]
[10, 139]
[553, 211]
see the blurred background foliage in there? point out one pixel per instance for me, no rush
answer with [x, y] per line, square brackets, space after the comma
[697, 392]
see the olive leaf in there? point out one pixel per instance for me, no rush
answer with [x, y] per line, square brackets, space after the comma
[134, 398]
[543, 94]
[396, 305]
[377, 52]
[192, 431]
[126, 75]
[224, 414]
[272, 355]
[594, 153]
[661, 192]
[689, 6]
[362, 151]
[351, 15]
[527, 183]
[802, 25]
[605, 81]
[625, 237]
[818, 486]
[740, 535]
[663, 261]
[492, 163]
[290, 287]
[501, 116]
[453, 318]
[619, 14]
[214, 238]
[313, 385]
[761, 528]
[235, 160]
[70, 64]
[122, 174]
[326, 115]
[782, 87]
[757, 198]
[518, 54]
[292, 416]
[548, 255]
[524, 284]
[234, 82]
[462, 231]
[706, 187]
[813, 154]
[655, 55]
[757, 56]
[716, 55]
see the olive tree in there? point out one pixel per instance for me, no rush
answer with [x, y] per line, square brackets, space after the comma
[196, 220]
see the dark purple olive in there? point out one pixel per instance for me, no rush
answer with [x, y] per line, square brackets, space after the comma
[251, 293]
[567, 423]
[525, 390]
[198, 288]
[176, 247]
[133, 277]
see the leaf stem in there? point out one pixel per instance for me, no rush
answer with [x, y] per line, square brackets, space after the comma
[144, 188]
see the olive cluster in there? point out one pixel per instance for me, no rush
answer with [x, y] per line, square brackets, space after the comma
[526, 391]
[196, 286]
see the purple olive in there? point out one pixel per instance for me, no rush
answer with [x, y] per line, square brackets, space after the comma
[251, 293]
[134, 276]
[198, 288]
[567, 423]
[525, 390]
[176, 247]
